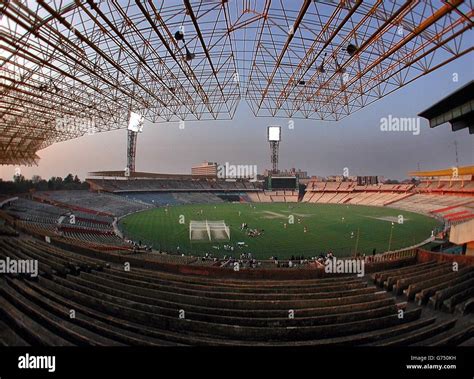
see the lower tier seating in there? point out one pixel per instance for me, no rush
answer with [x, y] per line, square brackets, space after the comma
[78, 300]
[440, 285]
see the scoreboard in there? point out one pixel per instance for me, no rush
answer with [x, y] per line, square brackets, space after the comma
[283, 183]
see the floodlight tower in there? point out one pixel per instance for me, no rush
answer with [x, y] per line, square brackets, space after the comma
[135, 126]
[131, 149]
[274, 137]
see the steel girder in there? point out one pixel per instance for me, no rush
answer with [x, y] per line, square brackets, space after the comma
[71, 68]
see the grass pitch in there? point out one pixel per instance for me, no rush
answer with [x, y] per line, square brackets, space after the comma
[337, 227]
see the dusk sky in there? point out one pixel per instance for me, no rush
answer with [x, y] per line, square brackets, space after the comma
[321, 148]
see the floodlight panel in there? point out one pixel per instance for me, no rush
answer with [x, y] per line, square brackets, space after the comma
[274, 133]
[135, 123]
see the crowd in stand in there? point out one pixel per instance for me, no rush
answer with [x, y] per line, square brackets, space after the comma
[138, 246]
[245, 261]
[209, 257]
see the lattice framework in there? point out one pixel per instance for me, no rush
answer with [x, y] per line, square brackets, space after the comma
[74, 67]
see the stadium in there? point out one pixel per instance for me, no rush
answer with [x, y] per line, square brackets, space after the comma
[230, 254]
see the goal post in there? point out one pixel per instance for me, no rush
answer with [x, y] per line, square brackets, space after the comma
[209, 231]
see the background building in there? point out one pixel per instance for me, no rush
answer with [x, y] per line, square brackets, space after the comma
[208, 169]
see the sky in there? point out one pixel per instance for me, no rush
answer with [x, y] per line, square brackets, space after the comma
[321, 148]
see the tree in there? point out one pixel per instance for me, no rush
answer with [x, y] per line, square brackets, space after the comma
[21, 185]
[69, 179]
[19, 178]
[35, 179]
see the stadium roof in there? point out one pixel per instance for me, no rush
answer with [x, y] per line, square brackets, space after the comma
[143, 175]
[71, 67]
[456, 108]
[465, 170]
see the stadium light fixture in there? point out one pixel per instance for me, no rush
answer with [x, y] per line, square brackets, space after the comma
[351, 49]
[339, 68]
[135, 122]
[321, 66]
[274, 133]
[179, 35]
[189, 56]
[274, 137]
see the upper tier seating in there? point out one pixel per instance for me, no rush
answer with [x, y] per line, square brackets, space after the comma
[149, 185]
[454, 205]
[351, 193]
[49, 220]
[427, 203]
[101, 202]
[197, 198]
[175, 198]
[447, 186]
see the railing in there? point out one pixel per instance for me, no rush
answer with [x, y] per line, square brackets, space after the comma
[392, 255]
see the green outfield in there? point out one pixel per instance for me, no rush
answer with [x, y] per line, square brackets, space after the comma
[340, 228]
